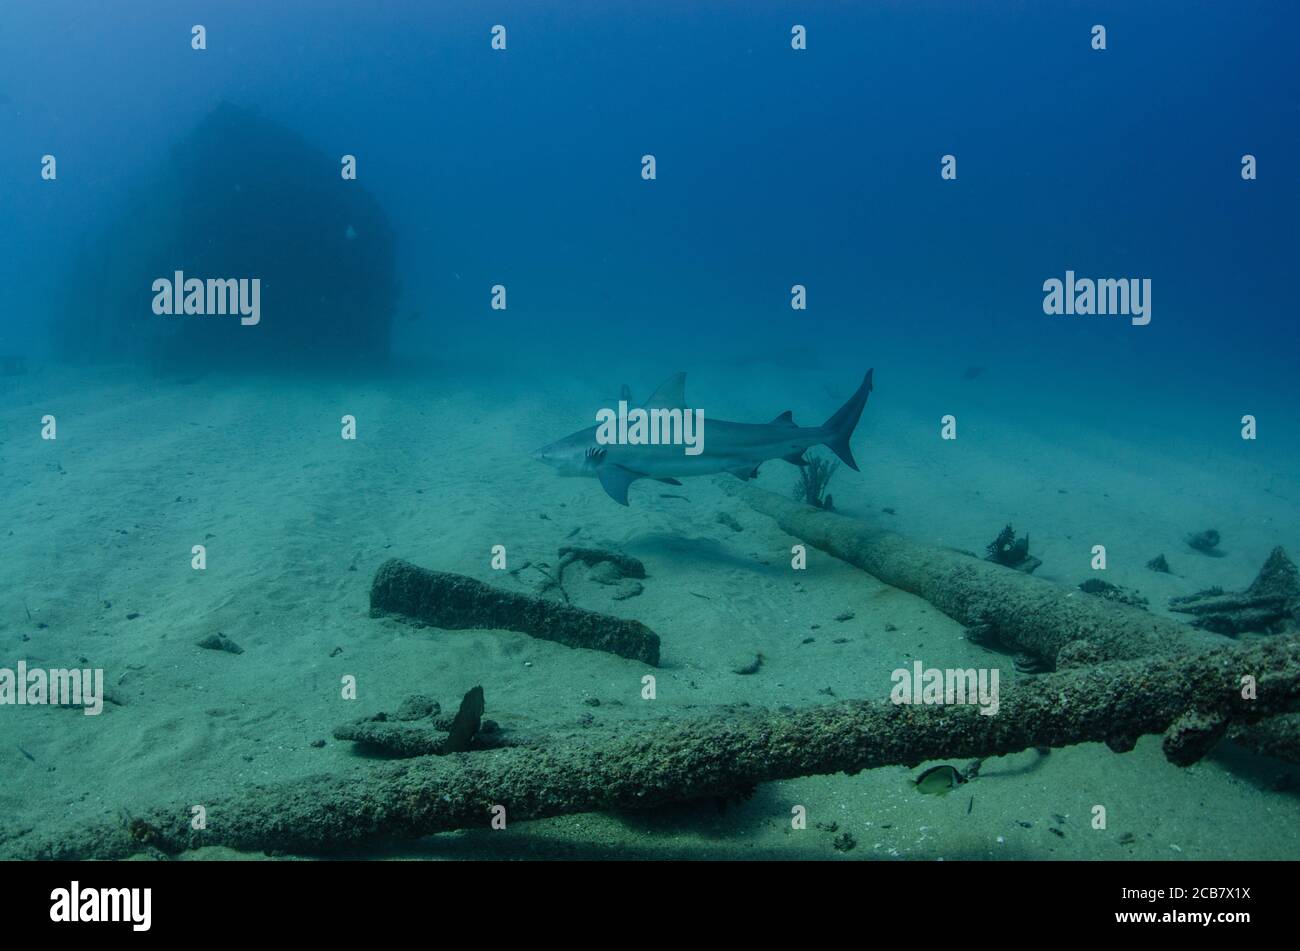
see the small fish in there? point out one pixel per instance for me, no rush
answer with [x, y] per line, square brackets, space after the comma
[939, 780]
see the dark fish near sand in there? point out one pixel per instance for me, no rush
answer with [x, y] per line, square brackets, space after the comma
[939, 780]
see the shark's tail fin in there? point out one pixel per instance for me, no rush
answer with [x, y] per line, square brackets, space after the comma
[840, 426]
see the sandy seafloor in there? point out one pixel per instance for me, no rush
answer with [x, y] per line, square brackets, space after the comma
[99, 525]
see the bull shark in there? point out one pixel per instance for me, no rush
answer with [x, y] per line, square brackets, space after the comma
[738, 448]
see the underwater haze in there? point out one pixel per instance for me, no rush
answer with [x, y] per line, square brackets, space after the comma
[660, 394]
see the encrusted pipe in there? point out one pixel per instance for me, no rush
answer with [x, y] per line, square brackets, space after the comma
[705, 756]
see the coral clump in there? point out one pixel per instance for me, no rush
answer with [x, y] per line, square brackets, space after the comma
[814, 477]
[1011, 551]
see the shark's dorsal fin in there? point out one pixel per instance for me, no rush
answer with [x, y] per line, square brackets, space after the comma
[670, 395]
[785, 419]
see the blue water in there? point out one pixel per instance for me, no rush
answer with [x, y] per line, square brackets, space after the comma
[776, 167]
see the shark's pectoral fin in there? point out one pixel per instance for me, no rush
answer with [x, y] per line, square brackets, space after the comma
[669, 481]
[745, 473]
[796, 458]
[615, 480]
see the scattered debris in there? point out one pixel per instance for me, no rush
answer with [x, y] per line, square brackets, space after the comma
[1012, 552]
[1206, 542]
[844, 616]
[219, 642]
[1112, 592]
[1159, 563]
[844, 842]
[1269, 605]
[629, 589]
[456, 602]
[627, 566]
[605, 567]
[729, 520]
[418, 729]
[418, 706]
[752, 667]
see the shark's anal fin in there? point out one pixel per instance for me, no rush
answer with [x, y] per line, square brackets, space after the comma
[797, 458]
[615, 480]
